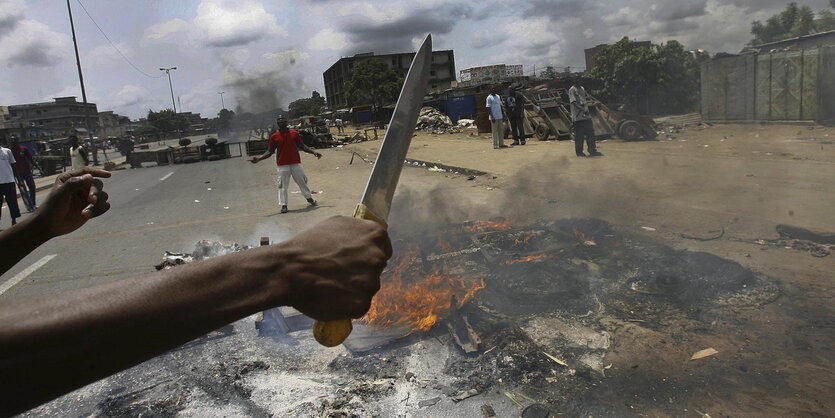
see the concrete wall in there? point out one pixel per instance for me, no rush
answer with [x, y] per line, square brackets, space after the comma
[785, 85]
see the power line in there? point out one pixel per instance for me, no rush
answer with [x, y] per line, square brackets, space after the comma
[114, 45]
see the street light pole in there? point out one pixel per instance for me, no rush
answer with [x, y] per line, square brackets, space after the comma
[171, 86]
[222, 105]
[83, 90]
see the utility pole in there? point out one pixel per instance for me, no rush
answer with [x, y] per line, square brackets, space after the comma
[222, 106]
[171, 86]
[83, 90]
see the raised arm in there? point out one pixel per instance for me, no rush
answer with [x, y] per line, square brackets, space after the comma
[52, 345]
[76, 197]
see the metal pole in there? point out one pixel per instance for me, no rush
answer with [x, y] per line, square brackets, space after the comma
[83, 90]
[170, 86]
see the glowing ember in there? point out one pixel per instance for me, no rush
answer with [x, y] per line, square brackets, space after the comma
[525, 240]
[527, 259]
[417, 302]
[498, 224]
[585, 240]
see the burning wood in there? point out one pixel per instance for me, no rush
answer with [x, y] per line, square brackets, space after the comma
[528, 259]
[498, 224]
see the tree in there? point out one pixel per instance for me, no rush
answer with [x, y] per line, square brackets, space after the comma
[634, 74]
[167, 121]
[792, 22]
[310, 106]
[224, 119]
[373, 82]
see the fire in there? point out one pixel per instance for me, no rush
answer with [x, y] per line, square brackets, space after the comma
[585, 240]
[419, 302]
[445, 246]
[499, 224]
[525, 240]
[527, 259]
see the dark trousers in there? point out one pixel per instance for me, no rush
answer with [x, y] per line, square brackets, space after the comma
[517, 129]
[8, 191]
[30, 184]
[584, 132]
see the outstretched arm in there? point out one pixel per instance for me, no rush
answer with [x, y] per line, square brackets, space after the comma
[76, 197]
[264, 156]
[52, 345]
[309, 150]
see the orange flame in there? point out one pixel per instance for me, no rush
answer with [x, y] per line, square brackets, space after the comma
[583, 238]
[418, 303]
[498, 224]
[525, 240]
[528, 258]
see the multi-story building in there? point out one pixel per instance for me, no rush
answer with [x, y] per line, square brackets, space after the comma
[58, 118]
[112, 125]
[441, 76]
[490, 74]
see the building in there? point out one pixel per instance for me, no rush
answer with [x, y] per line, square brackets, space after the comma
[490, 74]
[812, 41]
[112, 125]
[591, 53]
[58, 118]
[441, 75]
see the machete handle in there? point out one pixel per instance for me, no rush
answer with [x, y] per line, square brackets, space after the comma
[333, 333]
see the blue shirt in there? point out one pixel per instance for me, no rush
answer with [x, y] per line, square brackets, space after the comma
[494, 103]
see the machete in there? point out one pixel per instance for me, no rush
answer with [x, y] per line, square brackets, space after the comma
[376, 201]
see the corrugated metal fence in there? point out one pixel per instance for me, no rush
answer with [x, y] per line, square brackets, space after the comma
[786, 85]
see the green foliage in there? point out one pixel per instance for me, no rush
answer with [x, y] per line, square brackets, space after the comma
[311, 106]
[147, 130]
[224, 119]
[167, 121]
[549, 73]
[792, 22]
[372, 82]
[631, 74]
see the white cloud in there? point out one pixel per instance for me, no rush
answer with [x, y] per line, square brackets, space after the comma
[165, 29]
[370, 11]
[328, 39]
[34, 44]
[221, 27]
[105, 54]
[129, 95]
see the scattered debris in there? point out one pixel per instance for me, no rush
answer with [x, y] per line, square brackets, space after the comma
[429, 402]
[488, 411]
[721, 234]
[435, 121]
[707, 352]
[464, 395]
[648, 228]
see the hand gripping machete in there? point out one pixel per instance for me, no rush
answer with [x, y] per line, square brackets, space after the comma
[376, 201]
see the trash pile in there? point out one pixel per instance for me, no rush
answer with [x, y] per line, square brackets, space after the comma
[202, 250]
[435, 121]
[669, 126]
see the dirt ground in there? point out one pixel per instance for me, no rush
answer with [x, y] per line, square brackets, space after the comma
[742, 180]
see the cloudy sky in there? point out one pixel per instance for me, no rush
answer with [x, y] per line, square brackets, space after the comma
[267, 53]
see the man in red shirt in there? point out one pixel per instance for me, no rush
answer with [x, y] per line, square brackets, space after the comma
[286, 143]
[24, 170]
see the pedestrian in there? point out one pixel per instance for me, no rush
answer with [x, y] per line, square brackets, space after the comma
[8, 183]
[24, 165]
[494, 105]
[286, 143]
[339, 126]
[54, 344]
[515, 104]
[580, 115]
[78, 155]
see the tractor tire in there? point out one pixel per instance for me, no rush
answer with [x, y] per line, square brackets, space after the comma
[185, 142]
[629, 130]
[542, 131]
[211, 141]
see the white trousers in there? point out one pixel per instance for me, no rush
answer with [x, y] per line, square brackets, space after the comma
[498, 132]
[297, 172]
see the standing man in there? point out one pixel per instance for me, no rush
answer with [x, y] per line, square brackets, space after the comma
[7, 182]
[494, 106]
[78, 155]
[339, 125]
[24, 165]
[515, 103]
[580, 115]
[286, 143]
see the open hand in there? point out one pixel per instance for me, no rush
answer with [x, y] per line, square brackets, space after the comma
[76, 197]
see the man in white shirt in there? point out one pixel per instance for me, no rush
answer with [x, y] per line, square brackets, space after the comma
[494, 106]
[580, 115]
[7, 183]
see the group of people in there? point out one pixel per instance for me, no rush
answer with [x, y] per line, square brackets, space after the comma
[513, 107]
